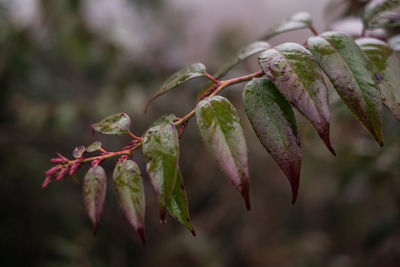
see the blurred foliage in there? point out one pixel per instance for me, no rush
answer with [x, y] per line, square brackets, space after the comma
[59, 75]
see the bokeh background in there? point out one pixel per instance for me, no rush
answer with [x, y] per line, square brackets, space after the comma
[66, 64]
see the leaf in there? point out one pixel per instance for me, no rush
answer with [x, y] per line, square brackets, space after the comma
[274, 123]
[394, 43]
[190, 72]
[96, 145]
[381, 13]
[94, 193]
[387, 63]
[78, 151]
[248, 51]
[161, 154]
[352, 76]
[116, 124]
[178, 205]
[300, 20]
[222, 134]
[128, 186]
[298, 77]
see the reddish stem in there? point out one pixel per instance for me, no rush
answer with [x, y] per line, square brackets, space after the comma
[313, 30]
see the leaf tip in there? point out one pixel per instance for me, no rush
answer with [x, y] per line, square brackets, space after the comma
[246, 196]
[95, 227]
[295, 189]
[193, 232]
[163, 219]
[142, 235]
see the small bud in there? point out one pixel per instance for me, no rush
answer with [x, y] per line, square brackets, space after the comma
[61, 174]
[52, 170]
[73, 168]
[47, 181]
[62, 157]
[57, 160]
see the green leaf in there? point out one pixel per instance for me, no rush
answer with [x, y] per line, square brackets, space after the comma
[161, 154]
[96, 145]
[78, 151]
[381, 13]
[353, 77]
[300, 20]
[298, 77]
[178, 205]
[223, 136]
[387, 63]
[190, 72]
[116, 124]
[128, 186]
[274, 123]
[94, 193]
[248, 51]
[394, 43]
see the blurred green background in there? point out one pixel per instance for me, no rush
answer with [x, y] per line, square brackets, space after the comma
[66, 64]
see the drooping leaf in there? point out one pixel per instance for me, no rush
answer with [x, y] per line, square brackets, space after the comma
[298, 77]
[96, 145]
[248, 51]
[388, 65]
[190, 72]
[381, 13]
[161, 154]
[394, 43]
[128, 186]
[116, 124]
[178, 205]
[274, 123]
[78, 151]
[94, 193]
[353, 77]
[222, 134]
[300, 20]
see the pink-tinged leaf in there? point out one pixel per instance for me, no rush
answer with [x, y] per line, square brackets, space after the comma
[242, 54]
[222, 134]
[387, 63]
[94, 193]
[274, 123]
[116, 124]
[381, 13]
[78, 151]
[353, 77]
[128, 186]
[190, 72]
[300, 20]
[298, 77]
[178, 205]
[161, 154]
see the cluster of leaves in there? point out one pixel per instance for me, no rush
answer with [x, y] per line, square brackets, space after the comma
[362, 71]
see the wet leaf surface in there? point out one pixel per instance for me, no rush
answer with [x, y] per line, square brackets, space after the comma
[94, 193]
[116, 124]
[128, 186]
[381, 13]
[298, 77]
[353, 77]
[161, 154]
[388, 64]
[178, 205]
[274, 123]
[222, 134]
